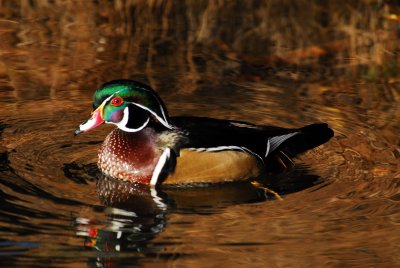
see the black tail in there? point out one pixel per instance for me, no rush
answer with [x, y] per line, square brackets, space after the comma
[310, 137]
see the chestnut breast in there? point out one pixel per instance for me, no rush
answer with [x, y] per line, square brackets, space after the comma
[129, 156]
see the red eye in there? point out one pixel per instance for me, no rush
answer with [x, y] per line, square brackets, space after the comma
[117, 101]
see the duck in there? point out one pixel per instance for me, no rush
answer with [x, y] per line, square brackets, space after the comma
[149, 147]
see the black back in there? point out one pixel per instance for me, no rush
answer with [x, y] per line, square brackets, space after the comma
[210, 133]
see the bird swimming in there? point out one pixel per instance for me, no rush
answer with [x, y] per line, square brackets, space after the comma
[150, 147]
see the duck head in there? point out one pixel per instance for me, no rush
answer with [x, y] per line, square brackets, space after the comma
[128, 104]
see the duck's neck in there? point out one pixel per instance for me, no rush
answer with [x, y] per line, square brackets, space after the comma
[129, 156]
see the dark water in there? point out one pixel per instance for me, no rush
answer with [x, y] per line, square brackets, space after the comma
[274, 63]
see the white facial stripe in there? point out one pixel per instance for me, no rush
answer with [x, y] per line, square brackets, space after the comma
[109, 98]
[160, 164]
[124, 121]
[162, 120]
[161, 107]
[122, 124]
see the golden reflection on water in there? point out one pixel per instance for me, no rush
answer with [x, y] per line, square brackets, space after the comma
[331, 62]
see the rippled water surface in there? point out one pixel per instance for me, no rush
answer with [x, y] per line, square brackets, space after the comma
[267, 63]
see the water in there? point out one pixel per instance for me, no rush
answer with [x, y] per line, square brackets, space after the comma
[338, 207]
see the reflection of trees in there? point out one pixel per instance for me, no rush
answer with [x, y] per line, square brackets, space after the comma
[178, 44]
[63, 49]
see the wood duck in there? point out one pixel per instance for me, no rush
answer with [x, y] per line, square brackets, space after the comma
[149, 147]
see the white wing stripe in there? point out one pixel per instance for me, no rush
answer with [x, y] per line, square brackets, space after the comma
[224, 148]
[275, 142]
[268, 148]
[217, 149]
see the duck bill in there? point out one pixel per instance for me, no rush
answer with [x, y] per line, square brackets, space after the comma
[95, 120]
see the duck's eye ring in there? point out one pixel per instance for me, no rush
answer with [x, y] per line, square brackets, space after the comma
[117, 101]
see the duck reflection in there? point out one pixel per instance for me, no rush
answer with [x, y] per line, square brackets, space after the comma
[137, 213]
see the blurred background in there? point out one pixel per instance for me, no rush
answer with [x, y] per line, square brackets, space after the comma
[184, 45]
[285, 63]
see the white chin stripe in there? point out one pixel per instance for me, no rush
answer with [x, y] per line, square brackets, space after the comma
[122, 124]
[160, 165]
